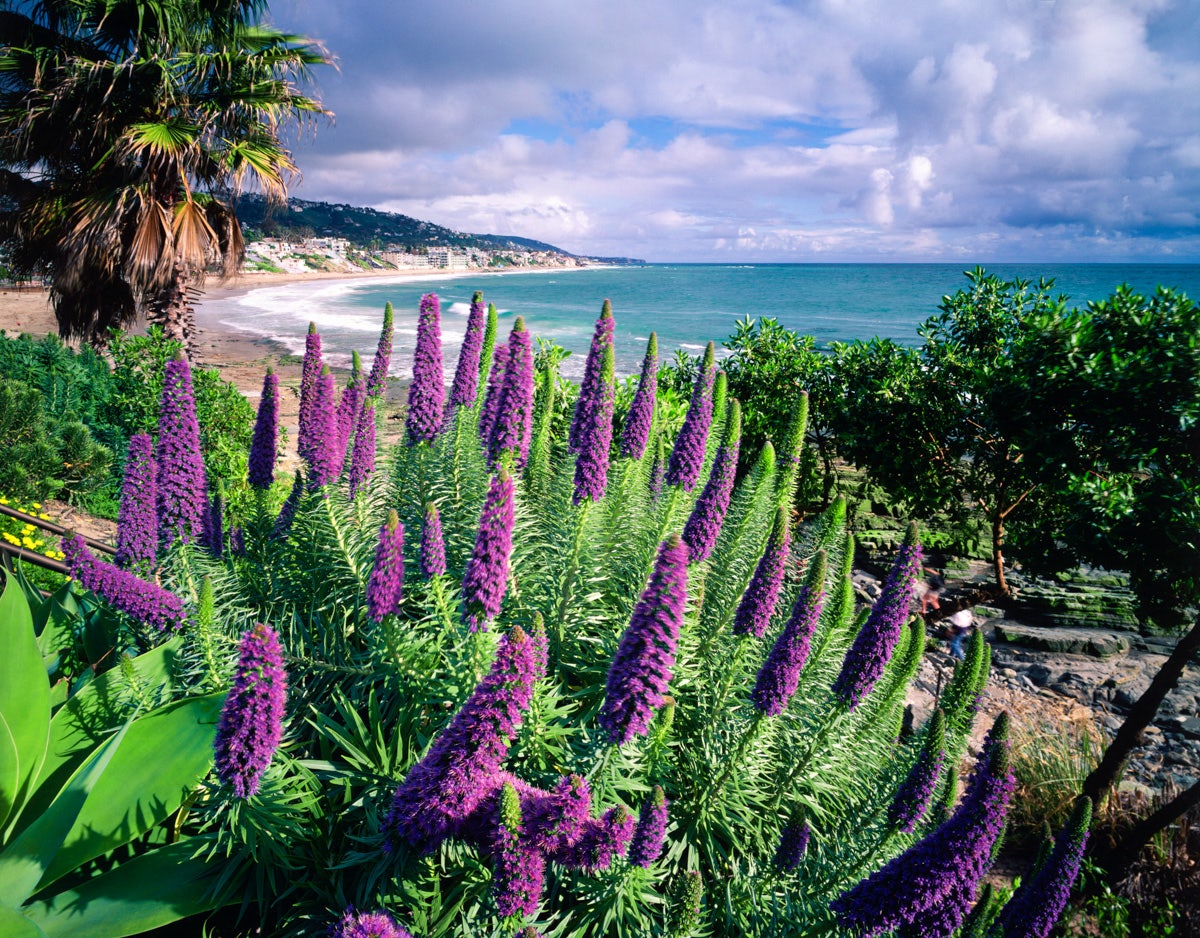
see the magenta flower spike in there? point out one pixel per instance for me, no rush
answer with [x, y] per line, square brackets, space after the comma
[486, 575]
[137, 522]
[519, 867]
[212, 536]
[385, 588]
[929, 888]
[462, 767]
[491, 397]
[362, 460]
[600, 842]
[916, 791]
[651, 830]
[287, 514]
[427, 393]
[147, 603]
[251, 724]
[876, 641]
[181, 489]
[310, 371]
[708, 514]
[593, 419]
[326, 462]
[636, 432]
[641, 669]
[757, 604]
[513, 427]
[687, 457]
[780, 674]
[592, 387]
[466, 373]
[433, 544]
[349, 409]
[377, 379]
[367, 925]
[261, 471]
[793, 843]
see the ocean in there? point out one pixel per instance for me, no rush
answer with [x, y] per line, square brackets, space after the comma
[687, 304]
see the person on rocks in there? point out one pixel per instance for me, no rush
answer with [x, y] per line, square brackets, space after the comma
[929, 589]
[959, 625]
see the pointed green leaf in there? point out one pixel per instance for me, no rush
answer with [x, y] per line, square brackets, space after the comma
[15, 925]
[24, 690]
[10, 770]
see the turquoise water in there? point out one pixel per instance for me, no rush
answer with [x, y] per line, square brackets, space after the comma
[686, 304]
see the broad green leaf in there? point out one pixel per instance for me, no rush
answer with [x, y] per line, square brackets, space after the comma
[15, 925]
[58, 615]
[164, 755]
[24, 689]
[147, 892]
[10, 770]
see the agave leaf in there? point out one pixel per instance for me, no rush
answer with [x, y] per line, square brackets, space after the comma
[24, 696]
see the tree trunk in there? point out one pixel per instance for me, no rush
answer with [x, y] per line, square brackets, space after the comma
[1117, 861]
[998, 554]
[1105, 775]
[172, 308]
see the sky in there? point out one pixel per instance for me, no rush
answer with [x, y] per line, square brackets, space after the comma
[747, 130]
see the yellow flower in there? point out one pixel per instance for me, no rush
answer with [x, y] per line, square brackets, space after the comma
[27, 543]
[3, 500]
[37, 505]
[12, 540]
[44, 516]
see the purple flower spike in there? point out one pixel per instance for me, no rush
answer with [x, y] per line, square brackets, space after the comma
[793, 842]
[251, 723]
[641, 668]
[876, 641]
[651, 830]
[758, 602]
[916, 791]
[433, 544]
[461, 768]
[491, 397]
[386, 586]
[658, 471]
[780, 674]
[377, 380]
[591, 389]
[237, 541]
[513, 428]
[182, 493]
[137, 524]
[427, 393]
[306, 439]
[636, 432]
[145, 602]
[601, 841]
[326, 464]
[261, 473]
[687, 458]
[283, 522]
[708, 514]
[212, 536]
[1035, 907]
[362, 462]
[466, 372]
[349, 408]
[593, 416]
[486, 575]
[929, 888]
[367, 925]
[520, 868]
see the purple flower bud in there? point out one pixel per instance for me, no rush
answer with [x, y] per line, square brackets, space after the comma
[658, 471]
[916, 791]
[486, 575]
[491, 397]
[137, 523]
[427, 393]
[386, 585]
[466, 372]
[641, 668]
[687, 458]
[367, 925]
[362, 461]
[460, 769]
[513, 427]
[519, 867]
[636, 432]
[708, 514]
[651, 830]
[433, 545]
[592, 429]
[306, 439]
[601, 841]
[180, 485]
[929, 888]
[212, 535]
[792, 844]
[377, 380]
[287, 513]
[261, 472]
[326, 463]
[758, 602]
[251, 724]
[876, 641]
[237, 541]
[144, 602]
[349, 409]
[780, 674]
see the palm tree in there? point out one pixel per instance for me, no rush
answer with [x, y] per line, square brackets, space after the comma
[126, 129]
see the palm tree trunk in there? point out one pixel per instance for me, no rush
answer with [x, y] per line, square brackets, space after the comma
[172, 308]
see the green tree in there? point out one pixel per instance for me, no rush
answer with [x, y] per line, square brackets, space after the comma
[125, 127]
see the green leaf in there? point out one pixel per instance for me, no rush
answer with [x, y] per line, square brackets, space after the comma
[164, 755]
[10, 770]
[24, 691]
[147, 892]
[15, 925]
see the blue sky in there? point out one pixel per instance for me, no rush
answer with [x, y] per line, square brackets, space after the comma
[746, 130]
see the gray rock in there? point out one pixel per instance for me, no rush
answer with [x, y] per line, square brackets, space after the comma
[1191, 727]
[1099, 643]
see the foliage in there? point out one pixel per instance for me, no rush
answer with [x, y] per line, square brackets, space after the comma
[29, 537]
